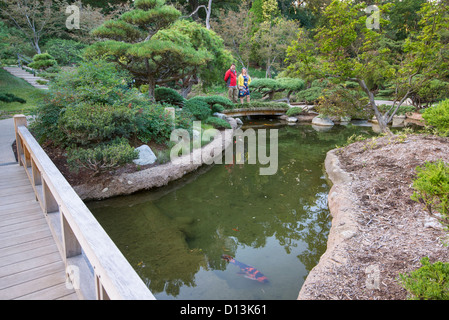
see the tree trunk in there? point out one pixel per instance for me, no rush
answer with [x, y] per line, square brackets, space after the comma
[151, 87]
[382, 120]
[187, 85]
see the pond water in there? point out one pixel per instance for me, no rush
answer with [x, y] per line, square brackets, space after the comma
[175, 236]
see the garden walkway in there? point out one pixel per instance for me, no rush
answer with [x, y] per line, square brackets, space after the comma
[28, 77]
[31, 266]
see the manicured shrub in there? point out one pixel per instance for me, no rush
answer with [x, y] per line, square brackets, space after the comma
[263, 104]
[101, 158]
[94, 123]
[9, 97]
[430, 282]
[218, 123]
[168, 96]
[218, 100]
[42, 61]
[198, 108]
[432, 187]
[217, 108]
[294, 111]
[438, 117]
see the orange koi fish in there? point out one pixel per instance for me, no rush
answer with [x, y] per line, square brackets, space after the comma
[250, 272]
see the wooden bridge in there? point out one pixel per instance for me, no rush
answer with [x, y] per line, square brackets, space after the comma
[51, 246]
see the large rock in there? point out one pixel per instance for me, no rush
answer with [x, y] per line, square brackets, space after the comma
[322, 121]
[146, 156]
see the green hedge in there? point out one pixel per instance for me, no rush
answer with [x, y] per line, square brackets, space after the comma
[438, 117]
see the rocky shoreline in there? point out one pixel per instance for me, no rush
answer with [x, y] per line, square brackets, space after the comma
[377, 231]
[157, 176]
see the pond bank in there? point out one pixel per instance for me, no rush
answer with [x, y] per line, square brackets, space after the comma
[156, 176]
[377, 231]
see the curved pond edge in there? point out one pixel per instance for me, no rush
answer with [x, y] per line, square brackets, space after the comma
[158, 176]
[344, 226]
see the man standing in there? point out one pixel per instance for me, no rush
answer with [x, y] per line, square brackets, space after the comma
[231, 80]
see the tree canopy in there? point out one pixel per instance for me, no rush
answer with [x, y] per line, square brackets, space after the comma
[156, 47]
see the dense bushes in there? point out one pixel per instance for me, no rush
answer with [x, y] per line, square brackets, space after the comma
[90, 107]
[65, 52]
[268, 87]
[430, 282]
[42, 61]
[102, 157]
[438, 117]
[432, 187]
[168, 96]
[89, 124]
[198, 108]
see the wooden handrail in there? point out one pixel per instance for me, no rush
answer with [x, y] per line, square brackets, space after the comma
[95, 266]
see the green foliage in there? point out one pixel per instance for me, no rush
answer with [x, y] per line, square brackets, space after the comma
[65, 52]
[198, 108]
[262, 104]
[432, 187]
[88, 124]
[403, 109]
[157, 48]
[153, 123]
[168, 96]
[438, 116]
[42, 61]
[270, 86]
[432, 91]
[102, 157]
[217, 108]
[95, 81]
[218, 123]
[430, 282]
[9, 97]
[294, 111]
[217, 100]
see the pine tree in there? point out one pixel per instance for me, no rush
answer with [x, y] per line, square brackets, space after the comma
[137, 43]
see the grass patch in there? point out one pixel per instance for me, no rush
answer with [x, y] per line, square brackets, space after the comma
[22, 89]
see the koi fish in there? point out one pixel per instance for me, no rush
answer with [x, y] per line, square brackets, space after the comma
[250, 272]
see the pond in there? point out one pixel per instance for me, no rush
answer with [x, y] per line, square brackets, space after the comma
[175, 236]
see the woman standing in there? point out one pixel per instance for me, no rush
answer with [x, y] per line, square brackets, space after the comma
[243, 82]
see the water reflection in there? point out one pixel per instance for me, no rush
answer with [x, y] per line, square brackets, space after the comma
[175, 236]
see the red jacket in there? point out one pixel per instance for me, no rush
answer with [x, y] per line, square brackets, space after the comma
[231, 78]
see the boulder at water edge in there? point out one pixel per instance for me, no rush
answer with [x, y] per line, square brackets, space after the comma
[322, 121]
[146, 156]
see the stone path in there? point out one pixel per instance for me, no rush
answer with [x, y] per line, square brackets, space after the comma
[28, 77]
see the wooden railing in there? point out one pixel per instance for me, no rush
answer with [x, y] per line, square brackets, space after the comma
[95, 267]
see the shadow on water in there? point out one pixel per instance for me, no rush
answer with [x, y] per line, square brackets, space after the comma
[175, 236]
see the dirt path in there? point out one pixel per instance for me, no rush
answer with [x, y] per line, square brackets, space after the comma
[378, 231]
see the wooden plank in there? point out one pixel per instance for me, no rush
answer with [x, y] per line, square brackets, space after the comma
[27, 246]
[24, 238]
[32, 287]
[15, 225]
[29, 275]
[29, 206]
[30, 264]
[57, 292]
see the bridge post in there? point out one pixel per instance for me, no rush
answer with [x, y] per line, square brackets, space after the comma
[19, 120]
